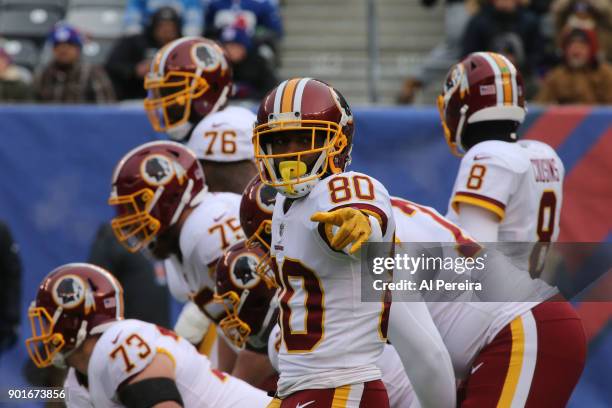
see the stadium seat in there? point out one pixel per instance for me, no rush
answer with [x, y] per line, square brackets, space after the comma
[28, 19]
[96, 21]
[96, 50]
[24, 52]
[106, 3]
[62, 4]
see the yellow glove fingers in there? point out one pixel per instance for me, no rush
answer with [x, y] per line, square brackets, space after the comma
[354, 227]
[359, 242]
[326, 218]
[344, 235]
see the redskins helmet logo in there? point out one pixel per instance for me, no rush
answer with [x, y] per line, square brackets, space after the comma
[266, 198]
[243, 271]
[69, 291]
[157, 170]
[207, 57]
[456, 80]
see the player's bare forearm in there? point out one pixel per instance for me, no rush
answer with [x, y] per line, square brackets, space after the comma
[252, 367]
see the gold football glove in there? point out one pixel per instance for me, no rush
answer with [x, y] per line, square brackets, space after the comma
[354, 228]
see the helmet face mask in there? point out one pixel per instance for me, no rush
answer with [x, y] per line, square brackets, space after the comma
[134, 227]
[234, 329]
[44, 345]
[288, 171]
[265, 267]
[169, 99]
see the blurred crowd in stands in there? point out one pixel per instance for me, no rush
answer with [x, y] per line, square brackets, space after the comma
[98, 51]
[562, 47]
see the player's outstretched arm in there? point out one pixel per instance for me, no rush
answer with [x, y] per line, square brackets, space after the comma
[423, 354]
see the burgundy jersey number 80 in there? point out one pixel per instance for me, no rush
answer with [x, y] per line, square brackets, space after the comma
[309, 338]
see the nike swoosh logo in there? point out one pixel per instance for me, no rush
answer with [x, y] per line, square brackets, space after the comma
[476, 367]
[300, 405]
[216, 125]
[476, 158]
[218, 218]
[116, 338]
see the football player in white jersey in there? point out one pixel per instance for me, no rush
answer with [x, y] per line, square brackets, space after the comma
[506, 190]
[331, 340]
[509, 190]
[77, 320]
[162, 204]
[250, 319]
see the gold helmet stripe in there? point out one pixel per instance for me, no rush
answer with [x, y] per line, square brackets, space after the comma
[288, 95]
[506, 78]
[499, 91]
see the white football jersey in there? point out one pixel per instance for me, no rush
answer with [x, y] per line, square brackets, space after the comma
[77, 395]
[224, 136]
[212, 227]
[465, 327]
[399, 389]
[127, 347]
[521, 182]
[330, 337]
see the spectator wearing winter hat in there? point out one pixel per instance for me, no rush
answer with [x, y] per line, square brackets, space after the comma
[66, 78]
[129, 61]
[582, 78]
[253, 74]
[260, 18]
[13, 86]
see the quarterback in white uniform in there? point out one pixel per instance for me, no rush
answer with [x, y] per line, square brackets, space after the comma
[331, 340]
[509, 191]
[77, 320]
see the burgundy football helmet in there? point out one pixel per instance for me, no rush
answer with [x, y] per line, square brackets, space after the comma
[189, 78]
[484, 86]
[152, 186]
[250, 305]
[256, 209]
[302, 108]
[73, 301]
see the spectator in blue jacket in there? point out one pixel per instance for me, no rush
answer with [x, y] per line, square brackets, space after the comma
[138, 14]
[260, 18]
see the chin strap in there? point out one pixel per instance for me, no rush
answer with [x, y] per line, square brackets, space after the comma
[59, 359]
[463, 112]
[185, 199]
